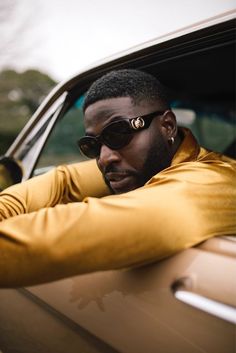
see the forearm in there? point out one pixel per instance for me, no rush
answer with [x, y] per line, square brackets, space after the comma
[62, 185]
[72, 239]
[29, 196]
[114, 232]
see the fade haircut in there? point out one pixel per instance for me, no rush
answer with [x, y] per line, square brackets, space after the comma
[137, 85]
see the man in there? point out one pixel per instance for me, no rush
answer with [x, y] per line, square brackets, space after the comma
[149, 192]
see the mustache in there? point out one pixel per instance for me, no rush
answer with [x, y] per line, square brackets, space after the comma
[111, 169]
[114, 169]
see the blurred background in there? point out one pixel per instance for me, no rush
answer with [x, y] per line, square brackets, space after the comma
[44, 42]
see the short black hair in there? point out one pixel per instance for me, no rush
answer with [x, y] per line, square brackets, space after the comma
[136, 84]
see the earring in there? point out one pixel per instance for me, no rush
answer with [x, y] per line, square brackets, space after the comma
[172, 140]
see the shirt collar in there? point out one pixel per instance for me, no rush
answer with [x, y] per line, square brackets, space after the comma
[188, 150]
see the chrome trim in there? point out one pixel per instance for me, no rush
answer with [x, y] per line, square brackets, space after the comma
[32, 156]
[220, 310]
[28, 129]
[229, 237]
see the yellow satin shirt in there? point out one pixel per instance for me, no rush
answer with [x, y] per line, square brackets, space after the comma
[65, 223]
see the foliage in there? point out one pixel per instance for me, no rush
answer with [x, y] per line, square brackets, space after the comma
[20, 96]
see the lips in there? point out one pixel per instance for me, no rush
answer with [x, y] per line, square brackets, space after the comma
[119, 181]
[116, 176]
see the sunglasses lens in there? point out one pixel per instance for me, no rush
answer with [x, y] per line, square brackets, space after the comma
[89, 146]
[117, 135]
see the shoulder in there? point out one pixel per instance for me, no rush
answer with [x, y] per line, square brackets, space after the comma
[208, 170]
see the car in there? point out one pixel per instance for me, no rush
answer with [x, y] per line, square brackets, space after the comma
[184, 303]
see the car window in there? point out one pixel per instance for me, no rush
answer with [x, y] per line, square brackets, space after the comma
[61, 146]
[212, 124]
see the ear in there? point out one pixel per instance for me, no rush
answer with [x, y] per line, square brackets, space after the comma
[168, 125]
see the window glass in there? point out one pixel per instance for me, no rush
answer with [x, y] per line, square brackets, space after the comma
[212, 124]
[61, 146]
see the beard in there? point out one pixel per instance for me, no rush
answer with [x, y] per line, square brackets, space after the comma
[158, 158]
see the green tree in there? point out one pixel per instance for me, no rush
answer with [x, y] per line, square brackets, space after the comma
[20, 96]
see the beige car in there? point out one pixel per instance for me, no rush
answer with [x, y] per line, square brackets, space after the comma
[186, 303]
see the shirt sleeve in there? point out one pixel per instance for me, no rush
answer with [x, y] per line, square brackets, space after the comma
[60, 186]
[180, 207]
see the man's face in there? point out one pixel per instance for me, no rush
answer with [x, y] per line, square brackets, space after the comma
[146, 154]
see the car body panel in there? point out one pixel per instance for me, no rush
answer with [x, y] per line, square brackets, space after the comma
[136, 310]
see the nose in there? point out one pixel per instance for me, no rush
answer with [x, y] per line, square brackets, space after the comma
[107, 156]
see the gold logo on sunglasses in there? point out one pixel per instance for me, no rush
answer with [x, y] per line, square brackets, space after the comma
[137, 123]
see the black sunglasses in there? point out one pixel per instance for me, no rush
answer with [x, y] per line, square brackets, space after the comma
[115, 135]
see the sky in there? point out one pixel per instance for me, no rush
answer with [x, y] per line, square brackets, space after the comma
[61, 37]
